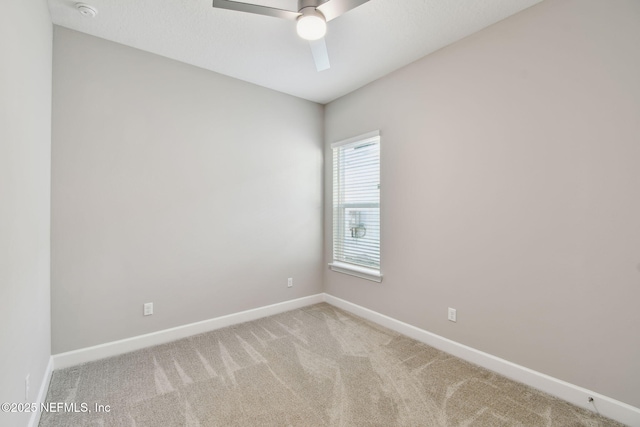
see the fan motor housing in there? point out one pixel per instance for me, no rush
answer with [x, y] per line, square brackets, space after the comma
[302, 4]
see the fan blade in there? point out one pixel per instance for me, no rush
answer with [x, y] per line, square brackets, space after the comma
[334, 8]
[254, 8]
[320, 55]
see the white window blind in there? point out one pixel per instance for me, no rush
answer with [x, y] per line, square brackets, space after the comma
[356, 203]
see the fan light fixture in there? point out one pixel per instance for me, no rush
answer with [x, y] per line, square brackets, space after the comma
[311, 24]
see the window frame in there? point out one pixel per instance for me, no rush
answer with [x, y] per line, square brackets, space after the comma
[339, 266]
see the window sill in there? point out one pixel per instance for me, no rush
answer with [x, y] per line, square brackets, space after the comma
[355, 270]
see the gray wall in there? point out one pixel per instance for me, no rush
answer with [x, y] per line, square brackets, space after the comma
[177, 186]
[510, 183]
[25, 156]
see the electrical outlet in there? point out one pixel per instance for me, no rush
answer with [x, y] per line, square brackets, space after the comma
[289, 282]
[148, 309]
[452, 314]
[26, 388]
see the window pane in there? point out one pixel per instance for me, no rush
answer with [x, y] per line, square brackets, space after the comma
[356, 202]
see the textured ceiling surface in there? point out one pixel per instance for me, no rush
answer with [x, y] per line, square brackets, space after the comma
[363, 44]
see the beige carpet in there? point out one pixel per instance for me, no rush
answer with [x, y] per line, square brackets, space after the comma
[317, 366]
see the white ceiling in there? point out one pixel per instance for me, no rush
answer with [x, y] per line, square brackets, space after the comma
[364, 44]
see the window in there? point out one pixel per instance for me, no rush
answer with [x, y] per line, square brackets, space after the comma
[356, 206]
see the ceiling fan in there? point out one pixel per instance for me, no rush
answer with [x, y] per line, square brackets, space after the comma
[312, 17]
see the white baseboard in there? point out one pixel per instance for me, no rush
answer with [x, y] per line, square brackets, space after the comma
[574, 394]
[42, 393]
[114, 348]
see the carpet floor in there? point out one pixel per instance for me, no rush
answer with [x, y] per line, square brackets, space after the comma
[316, 366]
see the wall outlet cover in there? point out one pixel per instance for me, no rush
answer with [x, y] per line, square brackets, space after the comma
[148, 309]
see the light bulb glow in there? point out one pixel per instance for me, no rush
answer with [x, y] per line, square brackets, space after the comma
[311, 26]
